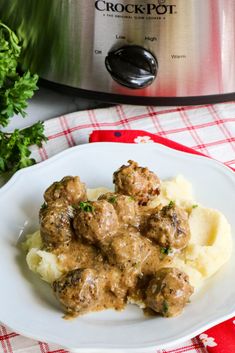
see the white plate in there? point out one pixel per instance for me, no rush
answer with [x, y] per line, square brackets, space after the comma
[27, 304]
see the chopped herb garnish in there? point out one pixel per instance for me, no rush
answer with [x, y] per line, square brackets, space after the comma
[86, 207]
[194, 206]
[44, 205]
[165, 251]
[112, 199]
[171, 204]
[165, 307]
[131, 198]
[168, 207]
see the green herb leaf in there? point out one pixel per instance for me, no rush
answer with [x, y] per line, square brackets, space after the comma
[9, 53]
[112, 199]
[165, 307]
[86, 207]
[194, 206]
[14, 95]
[168, 207]
[15, 90]
[171, 204]
[131, 198]
[14, 147]
[44, 205]
[165, 251]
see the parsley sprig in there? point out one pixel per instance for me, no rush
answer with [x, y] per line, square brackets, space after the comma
[14, 147]
[15, 90]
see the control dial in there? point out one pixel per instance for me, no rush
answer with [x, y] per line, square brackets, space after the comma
[132, 66]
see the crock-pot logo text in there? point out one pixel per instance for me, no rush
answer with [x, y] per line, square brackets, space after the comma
[159, 8]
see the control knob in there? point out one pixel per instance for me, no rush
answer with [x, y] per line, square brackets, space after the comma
[132, 66]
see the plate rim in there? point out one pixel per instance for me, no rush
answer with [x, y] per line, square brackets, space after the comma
[139, 349]
[71, 150]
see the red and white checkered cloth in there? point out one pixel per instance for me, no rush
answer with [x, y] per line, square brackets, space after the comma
[208, 129]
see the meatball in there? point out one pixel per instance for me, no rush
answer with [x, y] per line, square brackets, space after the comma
[168, 292]
[136, 181]
[79, 290]
[126, 250]
[95, 221]
[129, 250]
[86, 290]
[55, 224]
[125, 207]
[168, 227]
[69, 188]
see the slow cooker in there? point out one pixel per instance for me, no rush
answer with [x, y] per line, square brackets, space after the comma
[132, 51]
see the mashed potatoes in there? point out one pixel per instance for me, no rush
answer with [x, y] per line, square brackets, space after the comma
[210, 245]
[209, 248]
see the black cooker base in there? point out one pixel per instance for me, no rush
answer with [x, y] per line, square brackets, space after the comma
[112, 99]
